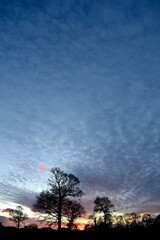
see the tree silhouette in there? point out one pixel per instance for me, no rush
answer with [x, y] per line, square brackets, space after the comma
[72, 210]
[93, 217]
[105, 206]
[157, 220]
[32, 226]
[52, 202]
[120, 221]
[18, 216]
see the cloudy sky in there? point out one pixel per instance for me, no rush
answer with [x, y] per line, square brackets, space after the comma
[80, 90]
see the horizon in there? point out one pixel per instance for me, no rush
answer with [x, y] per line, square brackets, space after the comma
[81, 221]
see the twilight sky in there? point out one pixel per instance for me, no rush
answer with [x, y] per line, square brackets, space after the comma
[80, 90]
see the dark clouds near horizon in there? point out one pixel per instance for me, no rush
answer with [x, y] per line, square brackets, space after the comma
[80, 89]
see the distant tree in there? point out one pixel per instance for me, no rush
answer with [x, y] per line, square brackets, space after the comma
[133, 219]
[120, 221]
[147, 219]
[104, 205]
[89, 227]
[32, 226]
[157, 220]
[52, 202]
[94, 219]
[18, 216]
[128, 219]
[75, 226]
[72, 210]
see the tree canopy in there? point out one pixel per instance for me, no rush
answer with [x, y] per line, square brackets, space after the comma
[72, 210]
[51, 202]
[18, 216]
[105, 206]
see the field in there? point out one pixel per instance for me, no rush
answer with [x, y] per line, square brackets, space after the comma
[9, 233]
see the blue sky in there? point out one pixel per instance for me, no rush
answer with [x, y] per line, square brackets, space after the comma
[80, 90]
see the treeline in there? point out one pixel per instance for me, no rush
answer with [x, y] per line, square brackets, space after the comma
[135, 232]
[60, 205]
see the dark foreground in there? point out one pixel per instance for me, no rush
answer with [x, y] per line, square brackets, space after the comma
[10, 233]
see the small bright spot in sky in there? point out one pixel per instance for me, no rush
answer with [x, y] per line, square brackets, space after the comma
[43, 168]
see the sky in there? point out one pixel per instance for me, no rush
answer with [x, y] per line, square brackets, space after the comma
[80, 90]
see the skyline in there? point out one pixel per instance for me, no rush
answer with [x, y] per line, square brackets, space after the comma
[80, 90]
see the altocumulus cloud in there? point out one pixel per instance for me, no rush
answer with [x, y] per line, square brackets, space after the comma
[80, 82]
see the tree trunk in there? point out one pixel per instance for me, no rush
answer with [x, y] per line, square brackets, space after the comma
[18, 224]
[59, 217]
[105, 218]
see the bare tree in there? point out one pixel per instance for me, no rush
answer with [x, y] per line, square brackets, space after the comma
[93, 218]
[52, 202]
[105, 206]
[72, 210]
[157, 220]
[18, 216]
[120, 221]
[147, 219]
[32, 226]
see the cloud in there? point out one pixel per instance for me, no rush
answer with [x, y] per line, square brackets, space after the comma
[13, 194]
[7, 210]
[5, 221]
[80, 90]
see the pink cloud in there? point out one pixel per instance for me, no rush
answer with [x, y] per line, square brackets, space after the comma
[43, 168]
[7, 210]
